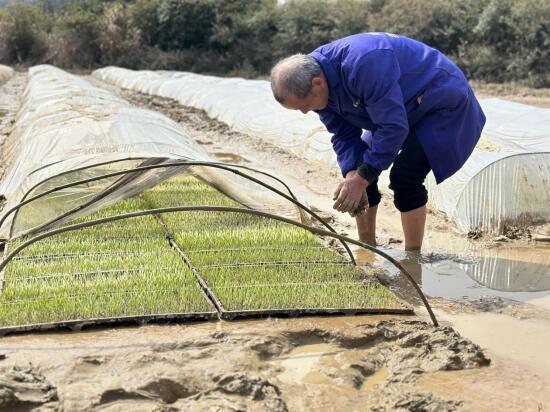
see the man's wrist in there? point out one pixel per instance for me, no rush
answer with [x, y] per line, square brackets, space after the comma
[368, 173]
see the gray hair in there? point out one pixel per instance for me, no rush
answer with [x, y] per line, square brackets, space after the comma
[294, 75]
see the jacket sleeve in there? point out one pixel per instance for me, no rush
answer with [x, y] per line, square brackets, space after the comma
[346, 140]
[373, 78]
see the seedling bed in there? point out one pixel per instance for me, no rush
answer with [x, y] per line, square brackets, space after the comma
[87, 279]
[251, 266]
[234, 265]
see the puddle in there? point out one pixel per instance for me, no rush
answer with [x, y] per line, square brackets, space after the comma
[515, 273]
[317, 364]
[229, 157]
[302, 363]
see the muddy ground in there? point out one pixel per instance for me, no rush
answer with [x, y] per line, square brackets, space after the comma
[499, 360]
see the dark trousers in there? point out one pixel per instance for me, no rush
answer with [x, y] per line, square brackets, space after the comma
[407, 176]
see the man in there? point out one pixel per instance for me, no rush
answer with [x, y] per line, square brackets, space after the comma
[414, 104]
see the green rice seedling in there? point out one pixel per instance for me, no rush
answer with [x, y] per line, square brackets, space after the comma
[89, 263]
[306, 296]
[91, 244]
[243, 255]
[94, 304]
[117, 269]
[126, 267]
[44, 291]
[255, 263]
[288, 272]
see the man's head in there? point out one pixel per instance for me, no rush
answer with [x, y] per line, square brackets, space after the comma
[298, 83]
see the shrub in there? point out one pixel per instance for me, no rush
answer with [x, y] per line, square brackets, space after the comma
[22, 34]
[492, 40]
[185, 24]
[304, 25]
[75, 38]
[515, 36]
[144, 17]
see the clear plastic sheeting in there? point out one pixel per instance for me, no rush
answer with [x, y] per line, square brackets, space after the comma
[505, 182]
[6, 73]
[68, 130]
[245, 105]
[517, 127]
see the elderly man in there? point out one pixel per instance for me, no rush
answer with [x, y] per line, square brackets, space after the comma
[415, 106]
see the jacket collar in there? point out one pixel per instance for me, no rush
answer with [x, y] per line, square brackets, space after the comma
[328, 69]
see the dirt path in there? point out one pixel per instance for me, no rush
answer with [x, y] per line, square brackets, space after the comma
[514, 92]
[317, 364]
[10, 95]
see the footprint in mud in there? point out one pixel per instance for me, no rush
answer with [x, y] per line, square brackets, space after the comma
[91, 360]
[204, 142]
[373, 361]
[164, 390]
[316, 361]
[234, 391]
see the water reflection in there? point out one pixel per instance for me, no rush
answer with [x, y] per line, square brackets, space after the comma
[521, 273]
[512, 270]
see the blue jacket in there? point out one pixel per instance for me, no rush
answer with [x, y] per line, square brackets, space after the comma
[390, 86]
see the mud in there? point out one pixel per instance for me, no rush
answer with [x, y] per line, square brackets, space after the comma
[369, 363]
[23, 388]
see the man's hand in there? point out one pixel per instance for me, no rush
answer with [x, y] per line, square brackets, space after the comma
[349, 193]
[362, 208]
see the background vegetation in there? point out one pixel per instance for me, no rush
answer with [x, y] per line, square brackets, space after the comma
[492, 40]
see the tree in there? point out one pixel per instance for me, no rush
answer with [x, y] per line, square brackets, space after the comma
[144, 17]
[304, 25]
[185, 24]
[119, 39]
[242, 36]
[76, 35]
[22, 34]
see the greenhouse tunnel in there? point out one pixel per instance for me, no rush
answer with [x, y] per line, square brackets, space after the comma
[483, 195]
[6, 73]
[183, 265]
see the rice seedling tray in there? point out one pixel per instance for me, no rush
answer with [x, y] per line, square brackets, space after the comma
[75, 280]
[136, 320]
[227, 266]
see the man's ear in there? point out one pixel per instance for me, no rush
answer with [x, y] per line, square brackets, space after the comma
[317, 81]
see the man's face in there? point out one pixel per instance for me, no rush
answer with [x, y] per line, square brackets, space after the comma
[316, 99]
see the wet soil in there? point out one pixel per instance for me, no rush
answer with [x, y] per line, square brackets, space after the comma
[333, 364]
[359, 363]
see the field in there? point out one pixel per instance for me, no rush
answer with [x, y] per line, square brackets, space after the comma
[489, 354]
